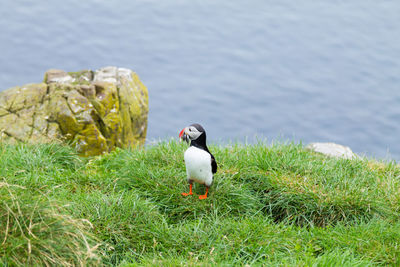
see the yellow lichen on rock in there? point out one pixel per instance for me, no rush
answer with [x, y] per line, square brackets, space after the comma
[94, 111]
[134, 108]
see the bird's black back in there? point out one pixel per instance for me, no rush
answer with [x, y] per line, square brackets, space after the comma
[200, 142]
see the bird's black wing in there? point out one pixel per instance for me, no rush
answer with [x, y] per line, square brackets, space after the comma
[213, 161]
[213, 164]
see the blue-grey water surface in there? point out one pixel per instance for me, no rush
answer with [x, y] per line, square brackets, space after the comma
[305, 71]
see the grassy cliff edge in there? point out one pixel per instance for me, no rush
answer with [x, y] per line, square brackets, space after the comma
[275, 205]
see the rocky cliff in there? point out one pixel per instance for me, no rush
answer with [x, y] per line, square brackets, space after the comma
[94, 111]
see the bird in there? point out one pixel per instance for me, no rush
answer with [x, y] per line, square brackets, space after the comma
[200, 163]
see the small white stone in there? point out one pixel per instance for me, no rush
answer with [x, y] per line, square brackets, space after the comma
[106, 74]
[332, 149]
[58, 76]
[124, 73]
[64, 79]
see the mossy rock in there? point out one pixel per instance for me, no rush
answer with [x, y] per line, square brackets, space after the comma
[94, 111]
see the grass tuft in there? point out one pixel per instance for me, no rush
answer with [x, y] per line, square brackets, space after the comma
[35, 232]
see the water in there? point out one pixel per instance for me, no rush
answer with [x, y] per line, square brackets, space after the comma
[315, 71]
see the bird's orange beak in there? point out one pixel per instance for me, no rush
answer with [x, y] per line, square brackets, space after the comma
[181, 133]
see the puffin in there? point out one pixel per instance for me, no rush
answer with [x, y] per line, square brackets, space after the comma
[200, 163]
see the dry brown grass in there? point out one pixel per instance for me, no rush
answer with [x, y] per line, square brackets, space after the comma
[34, 231]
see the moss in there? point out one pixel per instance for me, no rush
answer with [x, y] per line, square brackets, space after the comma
[27, 116]
[3, 112]
[90, 141]
[68, 125]
[28, 96]
[106, 98]
[7, 97]
[77, 103]
[46, 78]
[40, 119]
[114, 129]
[15, 127]
[134, 109]
[141, 110]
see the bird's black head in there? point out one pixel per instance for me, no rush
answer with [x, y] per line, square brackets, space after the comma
[194, 133]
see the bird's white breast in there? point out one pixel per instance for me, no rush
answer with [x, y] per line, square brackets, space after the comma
[198, 165]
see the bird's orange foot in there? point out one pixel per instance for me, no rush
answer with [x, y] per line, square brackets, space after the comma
[190, 191]
[203, 196]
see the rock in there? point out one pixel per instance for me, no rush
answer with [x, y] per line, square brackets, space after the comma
[332, 149]
[94, 111]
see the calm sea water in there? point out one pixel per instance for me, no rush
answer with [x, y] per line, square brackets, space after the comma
[283, 70]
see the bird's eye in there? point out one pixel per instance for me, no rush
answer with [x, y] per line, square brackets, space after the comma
[190, 129]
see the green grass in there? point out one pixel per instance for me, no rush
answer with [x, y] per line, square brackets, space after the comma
[278, 205]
